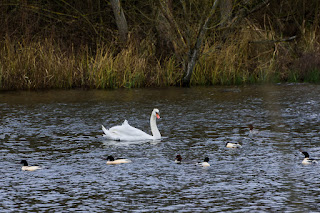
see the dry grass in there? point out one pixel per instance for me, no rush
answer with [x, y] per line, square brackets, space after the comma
[43, 65]
[255, 55]
[244, 58]
[36, 65]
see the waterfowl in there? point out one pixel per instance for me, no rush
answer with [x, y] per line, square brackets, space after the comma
[251, 130]
[233, 145]
[178, 159]
[112, 161]
[250, 127]
[204, 163]
[125, 132]
[26, 167]
[307, 160]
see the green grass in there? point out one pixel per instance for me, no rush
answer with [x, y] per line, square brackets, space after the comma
[313, 76]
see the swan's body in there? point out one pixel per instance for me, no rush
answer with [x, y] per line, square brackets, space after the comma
[112, 161]
[233, 145]
[26, 167]
[125, 132]
[307, 160]
[204, 163]
[178, 159]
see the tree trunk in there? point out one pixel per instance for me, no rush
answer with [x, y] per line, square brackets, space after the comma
[225, 11]
[189, 66]
[120, 20]
[194, 52]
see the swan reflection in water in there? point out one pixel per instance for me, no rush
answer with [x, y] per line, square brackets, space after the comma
[108, 142]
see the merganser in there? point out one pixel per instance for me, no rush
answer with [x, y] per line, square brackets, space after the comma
[26, 167]
[111, 160]
[204, 163]
[178, 159]
[233, 145]
[307, 160]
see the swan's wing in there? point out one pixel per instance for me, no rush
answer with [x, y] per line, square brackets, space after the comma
[126, 129]
[109, 134]
[125, 132]
[105, 131]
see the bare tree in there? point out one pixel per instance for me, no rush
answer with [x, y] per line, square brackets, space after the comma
[193, 53]
[120, 19]
[172, 29]
[187, 42]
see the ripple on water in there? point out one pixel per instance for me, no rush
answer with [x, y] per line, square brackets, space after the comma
[61, 131]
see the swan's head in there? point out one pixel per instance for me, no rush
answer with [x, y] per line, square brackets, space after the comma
[24, 162]
[156, 113]
[110, 158]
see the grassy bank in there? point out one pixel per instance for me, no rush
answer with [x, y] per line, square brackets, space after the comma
[44, 64]
[83, 44]
[256, 56]
[243, 59]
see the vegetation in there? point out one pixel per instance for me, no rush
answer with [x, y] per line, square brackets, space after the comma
[154, 43]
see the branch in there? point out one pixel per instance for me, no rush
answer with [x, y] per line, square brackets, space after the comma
[173, 24]
[244, 12]
[274, 41]
[194, 52]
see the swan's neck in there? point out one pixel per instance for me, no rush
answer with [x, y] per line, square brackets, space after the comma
[154, 129]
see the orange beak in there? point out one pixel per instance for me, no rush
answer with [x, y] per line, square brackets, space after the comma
[158, 116]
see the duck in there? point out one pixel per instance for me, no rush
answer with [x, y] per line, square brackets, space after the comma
[125, 132]
[178, 159]
[204, 163]
[112, 161]
[26, 167]
[252, 131]
[233, 145]
[307, 160]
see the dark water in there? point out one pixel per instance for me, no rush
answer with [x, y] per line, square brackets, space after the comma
[61, 131]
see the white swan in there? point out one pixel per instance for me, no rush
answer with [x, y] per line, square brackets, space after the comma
[125, 132]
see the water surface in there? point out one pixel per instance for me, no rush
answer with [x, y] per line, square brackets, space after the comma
[61, 131]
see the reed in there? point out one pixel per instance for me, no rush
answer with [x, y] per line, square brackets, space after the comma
[242, 59]
[127, 69]
[226, 63]
[76, 44]
[43, 65]
[256, 55]
[36, 65]
[166, 73]
[101, 72]
[134, 66]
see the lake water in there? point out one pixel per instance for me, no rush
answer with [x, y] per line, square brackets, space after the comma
[61, 131]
